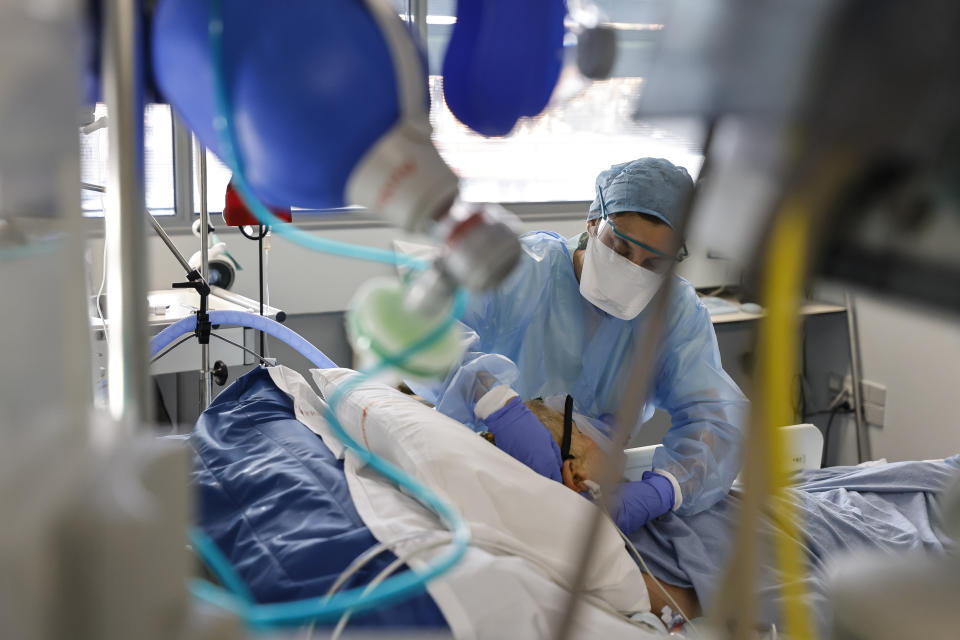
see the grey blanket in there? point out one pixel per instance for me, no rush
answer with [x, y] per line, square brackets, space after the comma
[885, 507]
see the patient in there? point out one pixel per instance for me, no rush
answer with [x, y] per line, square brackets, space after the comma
[586, 466]
[515, 432]
[540, 449]
[537, 443]
[890, 506]
[588, 458]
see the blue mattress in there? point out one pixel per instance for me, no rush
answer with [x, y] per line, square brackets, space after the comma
[275, 500]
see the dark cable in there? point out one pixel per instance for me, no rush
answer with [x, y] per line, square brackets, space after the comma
[804, 378]
[800, 399]
[826, 431]
[253, 353]
[250, 236]
[171, 348]
[826, 439]
[826, 412]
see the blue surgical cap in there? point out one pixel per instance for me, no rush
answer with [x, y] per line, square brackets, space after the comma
[653, 186]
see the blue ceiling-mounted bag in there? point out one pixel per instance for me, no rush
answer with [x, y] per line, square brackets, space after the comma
[313, 86]
[503, 61]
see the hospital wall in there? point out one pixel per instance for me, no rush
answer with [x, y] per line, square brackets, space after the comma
[315, 289]
[916, 353]
[303, 281]
[913, 352]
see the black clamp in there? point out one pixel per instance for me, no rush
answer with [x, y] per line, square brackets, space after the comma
[567, 430]
[195, 281]
[220, 373]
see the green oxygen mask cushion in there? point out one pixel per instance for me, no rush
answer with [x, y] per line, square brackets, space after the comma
[388, 333]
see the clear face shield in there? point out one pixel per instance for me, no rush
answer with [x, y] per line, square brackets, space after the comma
[651, 258]
[620, 273]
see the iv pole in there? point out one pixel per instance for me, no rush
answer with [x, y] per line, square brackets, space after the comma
[206, 378]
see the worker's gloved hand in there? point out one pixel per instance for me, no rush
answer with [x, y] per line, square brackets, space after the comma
[639, 502]
[518, 432]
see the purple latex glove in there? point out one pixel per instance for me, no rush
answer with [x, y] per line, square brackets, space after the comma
[639, 502]
[521, 434]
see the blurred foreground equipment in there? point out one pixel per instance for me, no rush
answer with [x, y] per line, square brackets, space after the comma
[847, 113]
[853, 105]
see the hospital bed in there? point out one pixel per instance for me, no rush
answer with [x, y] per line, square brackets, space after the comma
[286, 510]
[280, 503]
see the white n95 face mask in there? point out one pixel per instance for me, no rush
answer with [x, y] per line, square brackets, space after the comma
[613, 283]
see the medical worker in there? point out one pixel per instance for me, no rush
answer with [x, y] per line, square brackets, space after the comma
[568, 319]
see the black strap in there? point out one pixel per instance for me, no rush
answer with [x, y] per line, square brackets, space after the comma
[567, 429]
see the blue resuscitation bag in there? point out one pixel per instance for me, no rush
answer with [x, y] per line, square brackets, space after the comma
[312, 88]
[275, 500]
[503, 61]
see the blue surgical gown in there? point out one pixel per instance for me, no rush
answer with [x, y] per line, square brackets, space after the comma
[536, 333]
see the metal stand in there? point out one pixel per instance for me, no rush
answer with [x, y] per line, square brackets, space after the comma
[203, 335]
[263, 338]
[262, 232]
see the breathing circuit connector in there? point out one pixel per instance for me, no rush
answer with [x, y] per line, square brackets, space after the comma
[479, 248]
[480, 245]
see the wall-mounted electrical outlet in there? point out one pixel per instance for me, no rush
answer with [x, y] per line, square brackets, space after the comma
[874, 393]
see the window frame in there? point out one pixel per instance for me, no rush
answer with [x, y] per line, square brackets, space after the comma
[185, 213]
[182, 186]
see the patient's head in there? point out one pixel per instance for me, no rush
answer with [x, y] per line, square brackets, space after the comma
[588, 458]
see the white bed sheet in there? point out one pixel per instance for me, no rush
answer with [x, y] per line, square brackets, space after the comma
[491, 593]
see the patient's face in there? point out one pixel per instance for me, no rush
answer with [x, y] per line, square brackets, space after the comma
[588, 458]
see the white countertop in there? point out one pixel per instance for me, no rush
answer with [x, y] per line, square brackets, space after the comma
[170, 305]
[808, 309]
